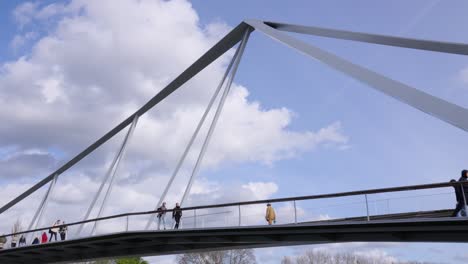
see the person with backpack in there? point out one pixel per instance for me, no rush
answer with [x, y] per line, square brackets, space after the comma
[270, 215]
[176, 215]
[63, 231]
[54, 230]
[162, 215]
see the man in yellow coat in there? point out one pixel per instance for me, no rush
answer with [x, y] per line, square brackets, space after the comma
[270, 214]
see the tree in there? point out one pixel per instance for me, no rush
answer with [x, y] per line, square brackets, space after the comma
[133, 260]
[238, 256]
[326, 257]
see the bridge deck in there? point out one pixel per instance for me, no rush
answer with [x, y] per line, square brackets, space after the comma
[144, 243]
[408, 215]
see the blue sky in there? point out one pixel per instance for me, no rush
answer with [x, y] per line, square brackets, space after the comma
[388, 143]
[383, 132]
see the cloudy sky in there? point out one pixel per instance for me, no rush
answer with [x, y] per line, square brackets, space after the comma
[72, 70]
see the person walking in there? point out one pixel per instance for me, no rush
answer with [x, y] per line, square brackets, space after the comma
[3, 241]
[462, 195]
[458, 197]
[22, 241]
[176, 215]
[464, 188]
[63, 231]
[54, 230]
[162, 215]
[44, 238]
[270, 215]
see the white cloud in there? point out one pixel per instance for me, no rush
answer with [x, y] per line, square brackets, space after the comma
[261, 190]
[33, 12]
[21, 40]
[92, 70]
[23, 13]
[26, 163]
[96, 63]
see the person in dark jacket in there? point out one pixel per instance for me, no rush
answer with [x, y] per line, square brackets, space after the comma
[22, 241]
[459, 197]
[35, 241]
[463, 178]
[63, 231]
[176, 215]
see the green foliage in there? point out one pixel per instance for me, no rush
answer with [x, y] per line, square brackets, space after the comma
[136, 260]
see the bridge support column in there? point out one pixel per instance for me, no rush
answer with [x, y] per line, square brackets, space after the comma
[195, 134]
[217, 114]
[110, 174]
[126, 228]
[239, 215]
[195, 218]
[42, 207]
[367, 207]
[295, 212]
[111, 183]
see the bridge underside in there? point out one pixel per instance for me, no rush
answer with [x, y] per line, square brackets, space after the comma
[146, 243]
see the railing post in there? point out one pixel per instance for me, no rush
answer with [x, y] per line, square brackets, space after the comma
[195, 218]
[239, 215]
[295, 212]
[126, 229]
[367, 207]
[464, 198]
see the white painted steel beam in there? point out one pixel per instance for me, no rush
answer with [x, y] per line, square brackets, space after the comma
[439, 108]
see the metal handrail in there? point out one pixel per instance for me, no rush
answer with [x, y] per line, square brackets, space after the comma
[276, 200]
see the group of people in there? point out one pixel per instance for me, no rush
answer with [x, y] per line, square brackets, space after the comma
[176, 215]
[15, 241]
[270, 216]
[461, 194]
[59, 227]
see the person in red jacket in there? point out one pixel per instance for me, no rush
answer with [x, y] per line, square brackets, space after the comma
[44, 238]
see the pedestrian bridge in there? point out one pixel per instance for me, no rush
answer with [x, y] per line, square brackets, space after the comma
[421, 226]
[362, 223]
[151, 243]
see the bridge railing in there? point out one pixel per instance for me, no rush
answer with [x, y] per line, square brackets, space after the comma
[360, 204]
